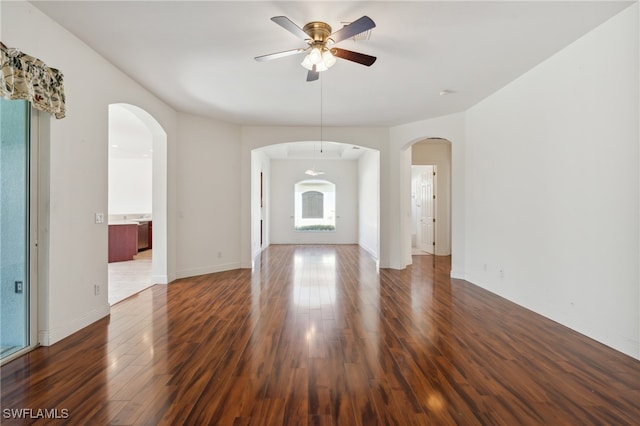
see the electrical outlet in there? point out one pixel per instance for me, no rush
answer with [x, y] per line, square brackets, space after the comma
[19, 287]
[96, 289]
[99, 217]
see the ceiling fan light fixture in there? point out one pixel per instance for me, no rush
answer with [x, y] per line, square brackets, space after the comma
[328, 59]
[315, 56]
[321, 66]
[323, 60]
[306, 62]
[313, 172]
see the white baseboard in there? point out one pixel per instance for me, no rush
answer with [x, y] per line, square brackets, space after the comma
[212, 269]
[55, 334]
[159, 279]
[460, 275]
[369, 250]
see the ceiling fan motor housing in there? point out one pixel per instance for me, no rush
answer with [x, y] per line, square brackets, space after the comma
[320, 38]
[319, 32]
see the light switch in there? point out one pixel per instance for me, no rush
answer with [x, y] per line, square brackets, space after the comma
[99, 217]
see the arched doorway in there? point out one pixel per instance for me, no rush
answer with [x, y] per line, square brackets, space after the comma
[138, 156]
[275, 169]
[436, 153]
[443, 163]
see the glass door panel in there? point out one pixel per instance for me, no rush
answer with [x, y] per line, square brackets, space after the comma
[14, 226]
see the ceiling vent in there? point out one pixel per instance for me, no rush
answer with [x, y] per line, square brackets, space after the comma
[365, 35]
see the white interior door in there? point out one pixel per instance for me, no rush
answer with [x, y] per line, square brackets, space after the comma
[423, 178]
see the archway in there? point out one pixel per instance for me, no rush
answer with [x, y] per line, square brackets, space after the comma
[276, 168]
[130, 118]
[436, 152]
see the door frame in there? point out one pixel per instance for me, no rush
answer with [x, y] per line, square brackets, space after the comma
[34, 224]
[33, 213]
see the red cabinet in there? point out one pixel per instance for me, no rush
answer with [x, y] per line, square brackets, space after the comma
[123, 242]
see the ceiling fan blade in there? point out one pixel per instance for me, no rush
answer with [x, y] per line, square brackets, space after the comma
[313, 75]
[356, 27]
[349, 55]
[279, 55]
[288, 25]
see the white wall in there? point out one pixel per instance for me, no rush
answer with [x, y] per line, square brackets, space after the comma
[438, 153]
[552, 219]
[545, 186]
[369, 202]
[286, 173]
[208, 198]
[130, 186]
[130, 173]
[77, 246]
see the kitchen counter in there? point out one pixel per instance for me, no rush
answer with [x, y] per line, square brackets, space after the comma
[123, 222]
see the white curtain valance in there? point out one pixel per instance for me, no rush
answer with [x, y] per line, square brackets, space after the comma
[25, 77]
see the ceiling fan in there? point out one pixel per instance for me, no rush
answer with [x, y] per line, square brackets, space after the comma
[321, 53]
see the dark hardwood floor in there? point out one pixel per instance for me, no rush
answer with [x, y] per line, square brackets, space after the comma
[317, 336]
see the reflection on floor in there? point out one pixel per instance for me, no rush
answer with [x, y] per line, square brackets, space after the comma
[417, 251]
[130, 277]
[8, 350]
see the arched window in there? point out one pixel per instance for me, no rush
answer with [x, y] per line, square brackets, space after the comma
[315, 206]
[312, 205]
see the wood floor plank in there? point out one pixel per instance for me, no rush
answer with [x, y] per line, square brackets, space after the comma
[318, 335]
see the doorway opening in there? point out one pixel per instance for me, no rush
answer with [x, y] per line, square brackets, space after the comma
[137, 202]
[341, 208]
[430, 230]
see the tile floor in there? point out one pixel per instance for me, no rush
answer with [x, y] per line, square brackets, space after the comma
[130, 277]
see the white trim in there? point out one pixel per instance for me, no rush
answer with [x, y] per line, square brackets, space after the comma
[33, 282]
[459, 275]
[159, 279]
[207, 270]
[370, 251]
[49, 337]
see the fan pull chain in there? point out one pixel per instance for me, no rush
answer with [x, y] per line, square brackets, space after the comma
[321, 113]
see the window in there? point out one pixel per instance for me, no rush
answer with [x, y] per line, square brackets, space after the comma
[315, 206]
[312, 205]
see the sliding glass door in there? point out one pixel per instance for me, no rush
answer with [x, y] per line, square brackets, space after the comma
[14, 227]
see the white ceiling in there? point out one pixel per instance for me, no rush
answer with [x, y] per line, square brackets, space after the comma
[198, 56]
